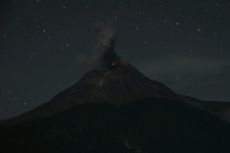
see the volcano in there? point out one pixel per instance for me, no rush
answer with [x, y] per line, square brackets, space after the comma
[114, 108]
[119, 85]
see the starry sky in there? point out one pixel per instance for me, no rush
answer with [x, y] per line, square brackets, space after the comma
[183, 44]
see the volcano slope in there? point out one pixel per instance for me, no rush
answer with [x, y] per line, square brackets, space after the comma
[116, 110]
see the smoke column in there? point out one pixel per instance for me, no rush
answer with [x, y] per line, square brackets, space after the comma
[104, 54]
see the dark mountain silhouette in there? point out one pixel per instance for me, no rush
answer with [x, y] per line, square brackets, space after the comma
[118, 85]
[219, 109]
[116, 110]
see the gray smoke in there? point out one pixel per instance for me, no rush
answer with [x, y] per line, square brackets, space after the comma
[104, 53]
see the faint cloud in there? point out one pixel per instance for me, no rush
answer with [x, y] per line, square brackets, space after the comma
[184, 65]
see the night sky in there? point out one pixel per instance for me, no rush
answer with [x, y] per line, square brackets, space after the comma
[183, 44]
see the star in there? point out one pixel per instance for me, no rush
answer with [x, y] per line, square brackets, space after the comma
[9, 91]
[140, 12]
[36, 18]
[67, 45]
[18, 18]
[177, 78]
[4, 35]
[165, 20]
[116, 17]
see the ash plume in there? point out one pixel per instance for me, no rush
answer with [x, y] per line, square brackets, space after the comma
[104, 53]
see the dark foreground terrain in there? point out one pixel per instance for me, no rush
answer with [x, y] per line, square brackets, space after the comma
[153, 126]
[118, 110]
